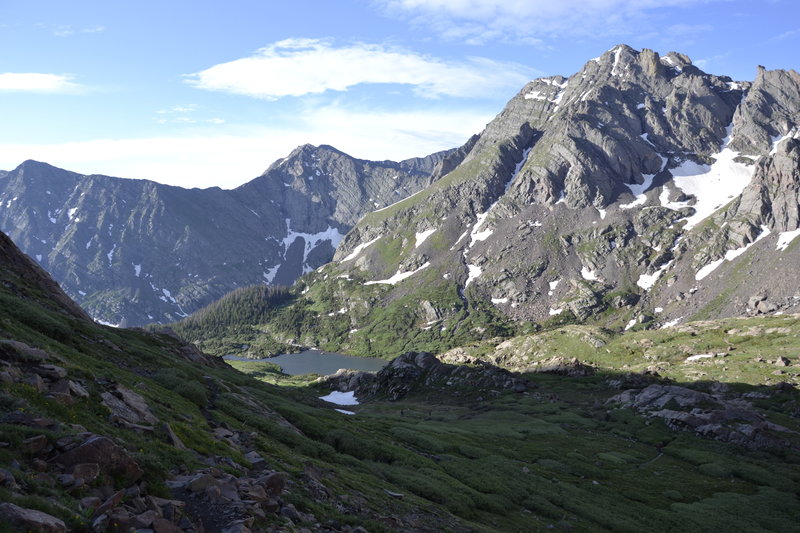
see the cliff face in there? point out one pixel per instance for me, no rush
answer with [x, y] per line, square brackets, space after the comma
[135, 252]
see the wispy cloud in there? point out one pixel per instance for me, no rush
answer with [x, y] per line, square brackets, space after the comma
[530, 21]
[296, 67]
[68, 31]
[183, 114]
[178, 109]
[37, 82]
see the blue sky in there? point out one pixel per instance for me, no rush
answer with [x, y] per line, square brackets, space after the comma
[197, 93]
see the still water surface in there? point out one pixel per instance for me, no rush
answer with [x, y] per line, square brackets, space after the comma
[319, 362]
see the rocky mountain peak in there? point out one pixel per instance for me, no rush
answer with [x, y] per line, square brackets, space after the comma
[640, 176]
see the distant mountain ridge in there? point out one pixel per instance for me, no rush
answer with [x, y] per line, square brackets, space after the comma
[133, 251]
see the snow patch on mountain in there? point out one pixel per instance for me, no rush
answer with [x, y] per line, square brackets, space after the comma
[358, 249]
[311, 240]
[730, 255]
[398, 277]
[589, 275]
[110, 254]
[778, 139]
[639, 190]
[474, 272]
[712, 185]
[422, 236]
[785, 239]
[646, 281]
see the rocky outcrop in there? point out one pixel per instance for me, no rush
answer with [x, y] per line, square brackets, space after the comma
[414, 371]
[722, 415]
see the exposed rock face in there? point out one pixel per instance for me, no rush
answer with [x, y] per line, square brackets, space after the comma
[719, 416]
[136, 252]
[773, 196]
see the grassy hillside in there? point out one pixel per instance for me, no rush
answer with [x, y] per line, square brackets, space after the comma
[216, 446]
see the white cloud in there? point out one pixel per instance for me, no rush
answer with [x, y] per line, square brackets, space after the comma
[296, 67]
[238, 155]
[68, 31]
[37, 82]
[528, 20]
[178, 109]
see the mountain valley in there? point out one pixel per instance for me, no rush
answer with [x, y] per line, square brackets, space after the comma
[590, 316]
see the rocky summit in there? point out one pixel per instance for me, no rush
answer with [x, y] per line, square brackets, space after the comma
[637, 192]
[133, 252]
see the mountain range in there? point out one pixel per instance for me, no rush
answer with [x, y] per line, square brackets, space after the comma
[133, 252]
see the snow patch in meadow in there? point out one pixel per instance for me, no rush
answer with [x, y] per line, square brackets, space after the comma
[340, 398]
[671, 323]
[699, 357]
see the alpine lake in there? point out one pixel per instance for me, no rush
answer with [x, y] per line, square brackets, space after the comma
[314, 361]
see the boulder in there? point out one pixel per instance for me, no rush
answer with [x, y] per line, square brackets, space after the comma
[34, 445]
[172, 438]
[88, 472]
[273, 483]
[7, 479]
[30, 519]
[112, 459]
[20, 352]
[201, 482]
[128, 406]
[52, 372]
